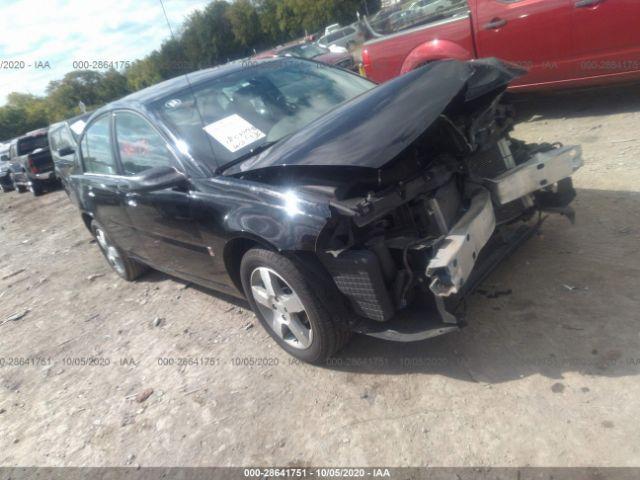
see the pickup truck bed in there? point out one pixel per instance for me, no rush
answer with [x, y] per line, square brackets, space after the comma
[32, 167]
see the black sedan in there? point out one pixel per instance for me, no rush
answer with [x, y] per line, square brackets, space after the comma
[332, 204]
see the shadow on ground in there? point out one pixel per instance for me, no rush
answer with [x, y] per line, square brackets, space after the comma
[573, 306]
[577, 103]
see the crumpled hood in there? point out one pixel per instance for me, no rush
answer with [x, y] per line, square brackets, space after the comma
[372, 129]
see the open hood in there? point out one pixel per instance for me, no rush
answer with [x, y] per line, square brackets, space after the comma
[372, 129]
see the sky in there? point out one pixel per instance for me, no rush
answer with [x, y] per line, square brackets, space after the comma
[49, 35]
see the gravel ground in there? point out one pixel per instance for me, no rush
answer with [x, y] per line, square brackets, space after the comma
[546, 375]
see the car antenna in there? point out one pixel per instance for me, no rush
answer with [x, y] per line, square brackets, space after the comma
[186, 76]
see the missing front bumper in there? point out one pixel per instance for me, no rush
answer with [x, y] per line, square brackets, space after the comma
[544, 169]
[455, 260]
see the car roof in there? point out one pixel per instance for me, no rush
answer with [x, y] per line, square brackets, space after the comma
[160, 90]
[82, 116]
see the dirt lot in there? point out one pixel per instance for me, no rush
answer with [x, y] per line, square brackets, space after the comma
[547, 374]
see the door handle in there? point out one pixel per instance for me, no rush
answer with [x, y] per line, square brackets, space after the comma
[587, 3]
[495, 23]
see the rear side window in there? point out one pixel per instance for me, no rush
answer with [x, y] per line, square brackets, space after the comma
[420, 13]
[141, 147]
[54, 139]
[96, 148]
[29, 144]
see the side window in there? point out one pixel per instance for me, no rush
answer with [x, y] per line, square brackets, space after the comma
[96, 148]
[53, 140]
[140, 146]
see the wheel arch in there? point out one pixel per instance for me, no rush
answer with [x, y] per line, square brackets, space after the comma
[434, 50]
[235, 249]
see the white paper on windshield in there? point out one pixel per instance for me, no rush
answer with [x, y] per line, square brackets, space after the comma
[78, 127]
[234, 132]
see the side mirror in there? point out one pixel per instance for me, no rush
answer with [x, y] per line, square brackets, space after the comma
[4, 158]
[157, 178]
[64, 151]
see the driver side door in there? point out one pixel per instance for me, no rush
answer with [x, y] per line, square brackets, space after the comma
[169, 236]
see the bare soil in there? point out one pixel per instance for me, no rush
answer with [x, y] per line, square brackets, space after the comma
[547, 373]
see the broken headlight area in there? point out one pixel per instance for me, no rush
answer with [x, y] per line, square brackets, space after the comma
[406, 256]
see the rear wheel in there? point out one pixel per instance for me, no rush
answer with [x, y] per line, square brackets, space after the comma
[303, 320]
[19, 188]
[35, 188]
[124, 266]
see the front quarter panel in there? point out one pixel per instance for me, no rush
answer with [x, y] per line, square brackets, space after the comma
[227, 208]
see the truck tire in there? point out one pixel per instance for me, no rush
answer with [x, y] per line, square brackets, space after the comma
[127, 268]
[19, 188]
[296, 311]
[36, 188]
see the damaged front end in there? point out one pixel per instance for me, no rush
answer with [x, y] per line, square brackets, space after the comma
[411, 234]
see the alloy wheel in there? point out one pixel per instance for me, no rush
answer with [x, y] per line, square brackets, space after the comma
[281, 307]
[111, 252]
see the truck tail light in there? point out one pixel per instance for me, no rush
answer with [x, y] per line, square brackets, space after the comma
[366, 65]
[32, 166]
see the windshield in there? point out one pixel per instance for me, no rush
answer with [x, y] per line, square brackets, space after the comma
[242, 111]
[308, 50]
[29, 144]
[415, 13]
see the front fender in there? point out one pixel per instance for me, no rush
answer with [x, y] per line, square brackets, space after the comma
[283, 218]
[434, 50]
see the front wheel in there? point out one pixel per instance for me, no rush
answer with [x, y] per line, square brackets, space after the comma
[303, 320]
[125, 267]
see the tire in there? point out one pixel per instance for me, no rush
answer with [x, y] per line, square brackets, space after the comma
[320, 313]
[127, 268]
[35, 188]
[19, 188]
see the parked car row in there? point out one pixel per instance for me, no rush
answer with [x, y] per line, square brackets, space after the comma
[40, 160]
[332, 204]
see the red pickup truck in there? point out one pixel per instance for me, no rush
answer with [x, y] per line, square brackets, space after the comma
[562, 43]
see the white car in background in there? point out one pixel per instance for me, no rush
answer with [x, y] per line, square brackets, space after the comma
[332, 28]
[346, 37]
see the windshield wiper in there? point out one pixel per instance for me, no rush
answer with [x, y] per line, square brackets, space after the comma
[252, 153]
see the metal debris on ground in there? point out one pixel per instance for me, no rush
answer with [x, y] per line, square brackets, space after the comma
[15, 317]
[143, 395]
[13, 274]
[92, 277]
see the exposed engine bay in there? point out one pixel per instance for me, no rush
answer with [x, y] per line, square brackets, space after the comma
[433, 221]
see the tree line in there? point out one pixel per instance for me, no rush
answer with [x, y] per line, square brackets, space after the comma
[219, 33]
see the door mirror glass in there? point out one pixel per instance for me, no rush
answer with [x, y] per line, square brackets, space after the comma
[153, 179]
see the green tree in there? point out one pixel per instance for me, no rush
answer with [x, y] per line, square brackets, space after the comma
[245, 24]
